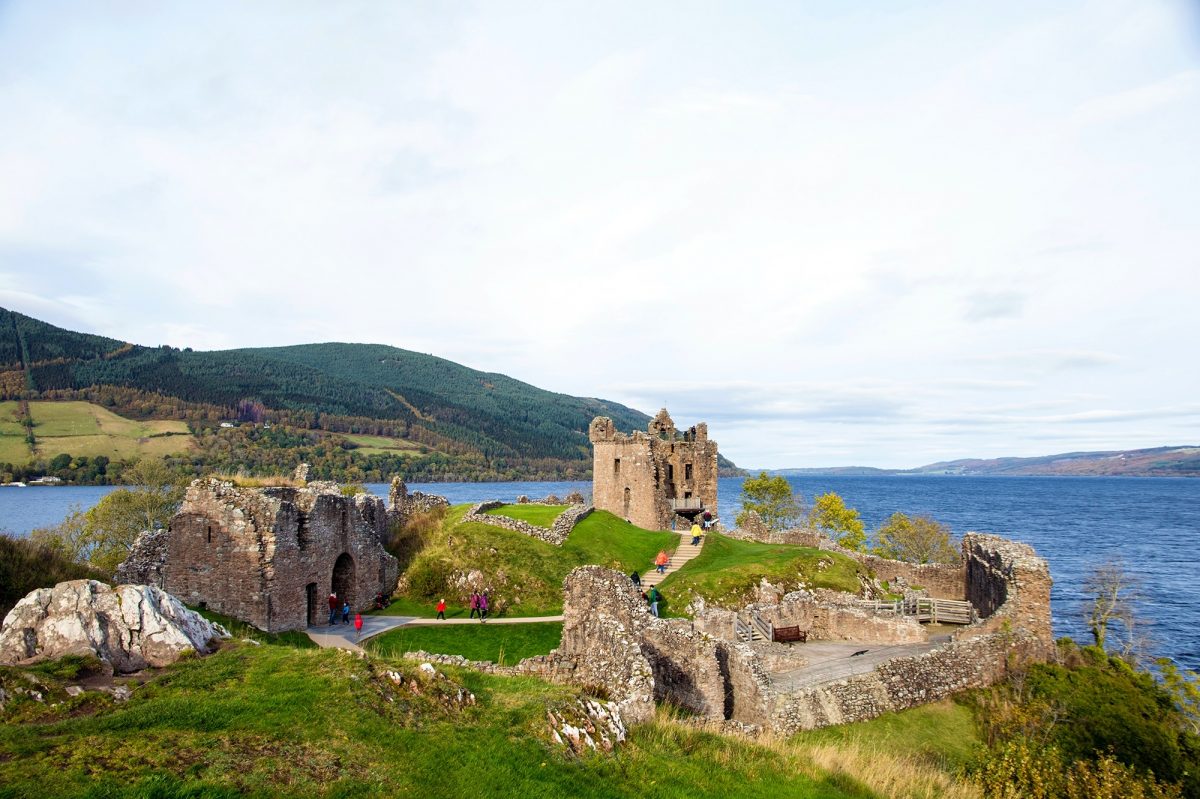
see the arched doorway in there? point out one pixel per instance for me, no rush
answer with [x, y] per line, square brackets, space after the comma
[343, 579]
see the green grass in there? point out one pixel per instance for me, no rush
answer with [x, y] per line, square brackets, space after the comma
[523, 575]
[506, 644]
[276, 721]
[84, 429]
[943, 734]
[240, 629]
[540, 515]
[381, 445]
[727, 570]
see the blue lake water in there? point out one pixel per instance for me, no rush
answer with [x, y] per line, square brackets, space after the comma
[1152, 524]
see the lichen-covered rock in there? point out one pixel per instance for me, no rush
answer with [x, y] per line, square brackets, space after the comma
[129, 627]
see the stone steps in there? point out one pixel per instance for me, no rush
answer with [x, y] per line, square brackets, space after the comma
[683, 553]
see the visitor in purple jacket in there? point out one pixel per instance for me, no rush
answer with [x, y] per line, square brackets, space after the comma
[483, 606]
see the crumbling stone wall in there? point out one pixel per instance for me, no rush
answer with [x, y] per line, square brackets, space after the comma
[836, 616]
[613, 641]
[563, 524]
[1009, 586]
[637, 476]
[271, 556]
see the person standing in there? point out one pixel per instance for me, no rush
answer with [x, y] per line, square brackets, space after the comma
[483, 606]
[474, 605]
[660, 562]
[695, 534]
[358, 626]
[333, 606]
[654, 596]
[636, 579]
[441, 609]
[346, 612]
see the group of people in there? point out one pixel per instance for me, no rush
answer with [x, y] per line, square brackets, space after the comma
[651, 597]
[479, 604]
[344, 606]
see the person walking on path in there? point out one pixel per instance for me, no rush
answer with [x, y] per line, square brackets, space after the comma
[636, 579]
[653, 597]
[441, 608]
[346, 613]
[333, 606]
[483, 606]
[660, 562]
[695, 534]
[474, 605]
[357, 626]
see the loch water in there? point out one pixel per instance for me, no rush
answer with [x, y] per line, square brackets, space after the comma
[1152, 525]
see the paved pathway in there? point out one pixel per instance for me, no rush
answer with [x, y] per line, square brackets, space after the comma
[835, 660]
[343, 636]
[683, 553]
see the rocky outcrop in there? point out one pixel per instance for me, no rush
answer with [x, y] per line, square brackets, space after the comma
[129, 627]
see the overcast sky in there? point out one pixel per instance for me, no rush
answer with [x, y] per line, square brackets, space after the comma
[875, 234]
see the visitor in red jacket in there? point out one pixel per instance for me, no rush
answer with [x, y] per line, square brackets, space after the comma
[441, 608]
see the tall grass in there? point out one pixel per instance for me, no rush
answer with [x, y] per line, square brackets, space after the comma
[25, 566]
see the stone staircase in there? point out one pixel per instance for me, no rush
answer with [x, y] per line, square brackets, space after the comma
[683, 553]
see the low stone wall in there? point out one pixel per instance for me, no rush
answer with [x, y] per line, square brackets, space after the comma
[941, 580]
[555, 534]
[835, 616]
[896, 684]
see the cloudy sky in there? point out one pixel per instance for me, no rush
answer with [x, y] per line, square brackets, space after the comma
[877, 234]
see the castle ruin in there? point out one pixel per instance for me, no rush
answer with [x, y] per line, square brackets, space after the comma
[272, 556]
[651, 478]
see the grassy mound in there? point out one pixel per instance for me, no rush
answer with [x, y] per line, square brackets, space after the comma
[524, 575]
[274, 721]
[505, 644]
[25, 567]
[540, 515]
[727, 570]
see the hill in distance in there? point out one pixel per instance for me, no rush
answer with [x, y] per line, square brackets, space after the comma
[435, 419]
[1181, 461]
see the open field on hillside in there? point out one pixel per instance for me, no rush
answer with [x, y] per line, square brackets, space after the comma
[81, 428]
[381, 445]
[13, 447]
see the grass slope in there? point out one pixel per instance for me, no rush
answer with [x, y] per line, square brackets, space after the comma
[727, 570]
[277, 721]
[85, 429]
[380, 445]
[13, 446]
[506, 644]
[524, 575]
[540, 515]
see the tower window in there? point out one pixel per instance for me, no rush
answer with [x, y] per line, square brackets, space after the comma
[687, 471]
[616, 466]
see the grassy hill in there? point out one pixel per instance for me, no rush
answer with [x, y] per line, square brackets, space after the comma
[396, 410]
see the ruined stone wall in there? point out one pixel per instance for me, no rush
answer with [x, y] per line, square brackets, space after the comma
[636, 476]
[835, 616]
[556, 534]
[146, 560]
[941, 580]
[268, 556]
[1009, 585]
[754, 530]
[894, 685]
[613, 641]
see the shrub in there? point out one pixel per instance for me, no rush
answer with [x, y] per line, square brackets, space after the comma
[429, 577]
[26, 566]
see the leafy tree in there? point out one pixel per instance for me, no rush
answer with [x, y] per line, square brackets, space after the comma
[1184, 688]
[103, 536]
[829, 513]
[919, 539]
[772, 499]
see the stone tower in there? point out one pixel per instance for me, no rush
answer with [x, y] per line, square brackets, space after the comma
[650, 478]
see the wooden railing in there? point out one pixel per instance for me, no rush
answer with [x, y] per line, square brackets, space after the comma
[937, 611]
[690, 503]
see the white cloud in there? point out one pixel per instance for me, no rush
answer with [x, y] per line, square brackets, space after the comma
[827, 231]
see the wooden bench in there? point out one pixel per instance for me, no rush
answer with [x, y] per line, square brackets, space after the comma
[788, 635]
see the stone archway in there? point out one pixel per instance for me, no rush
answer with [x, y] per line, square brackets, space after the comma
[343, 579]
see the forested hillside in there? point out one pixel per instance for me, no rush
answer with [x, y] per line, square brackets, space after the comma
[433, 417]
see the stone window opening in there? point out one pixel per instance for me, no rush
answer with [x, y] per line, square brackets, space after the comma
[302, 533]
[687, 471]
[616, 466]
[209, 533]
